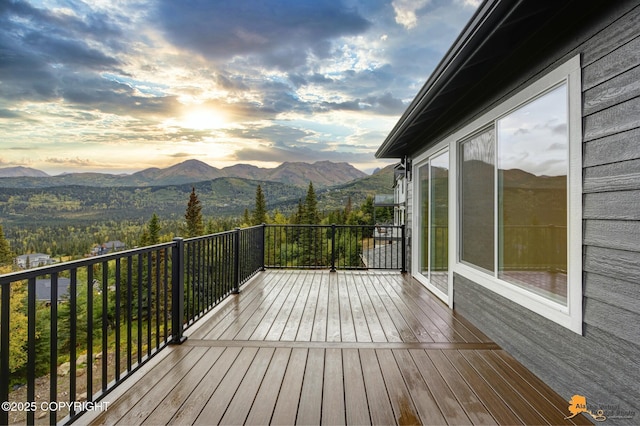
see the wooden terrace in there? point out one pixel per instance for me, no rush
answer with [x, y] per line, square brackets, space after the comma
[350, 347]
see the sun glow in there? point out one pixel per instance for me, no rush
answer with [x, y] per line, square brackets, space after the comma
[203, 119]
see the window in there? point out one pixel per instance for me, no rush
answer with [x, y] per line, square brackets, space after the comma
[533, 147]
[525, 243]
[518, 198]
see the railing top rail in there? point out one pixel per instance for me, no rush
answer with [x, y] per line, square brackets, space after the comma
[287, 225]
[217, 234]
[74, 264]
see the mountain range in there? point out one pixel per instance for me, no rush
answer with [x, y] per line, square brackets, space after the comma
[321, 173]
[72, 204]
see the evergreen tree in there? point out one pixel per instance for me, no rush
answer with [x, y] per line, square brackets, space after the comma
[298, 216]
[260, 213]
[144, 238]
[154, 230]
[311, 238]
[193, 216]
[311, 215]
[246, 219]
[348, 208]
[6, 256]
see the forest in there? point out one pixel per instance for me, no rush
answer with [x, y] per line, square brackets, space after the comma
[66, 222]
[68, 242]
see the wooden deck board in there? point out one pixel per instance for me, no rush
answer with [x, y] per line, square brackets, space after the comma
[399, 395]
[220, 399]
[354, 389]
[265, 401]
[333, 410]
[189, 368]
[310, 406]
[471, 404]
[172, 402]
[352, 347]
[347, 325]
[296, 326]
[238, 409]
[386, 322]
[286, 408]
[191, 408]
[318, 310]
[373, 322]
[380, 408]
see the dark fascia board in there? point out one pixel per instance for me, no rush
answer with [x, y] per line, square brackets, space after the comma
[502, 39]
[472, 35]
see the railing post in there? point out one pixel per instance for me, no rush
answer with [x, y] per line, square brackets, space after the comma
[404, 249]
[263, 246]
[177, 291]
[333, 247]
[5, 302]
[236, 261]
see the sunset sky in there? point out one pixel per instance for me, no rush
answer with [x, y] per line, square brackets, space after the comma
[121, 85]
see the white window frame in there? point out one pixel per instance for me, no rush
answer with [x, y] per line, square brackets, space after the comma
[569, 316]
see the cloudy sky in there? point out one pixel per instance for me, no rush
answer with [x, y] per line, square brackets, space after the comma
[121, 85]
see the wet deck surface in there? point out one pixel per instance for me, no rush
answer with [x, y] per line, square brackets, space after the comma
[313, 347]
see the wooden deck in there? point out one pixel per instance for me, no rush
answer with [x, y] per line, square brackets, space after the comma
[314, 347]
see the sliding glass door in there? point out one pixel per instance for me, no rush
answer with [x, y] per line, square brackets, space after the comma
[433, 224]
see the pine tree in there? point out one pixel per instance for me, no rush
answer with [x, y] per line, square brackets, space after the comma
[298, 216]
[260, 213]
[311, 238]
[6, 256]
[311, 215]
[193, 216]
[348, 209]
[154, 230]
[246, 219]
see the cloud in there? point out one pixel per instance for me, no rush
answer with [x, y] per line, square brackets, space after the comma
[180, 155]
[300, 153]
[39, 47]
[405, 11]
[283, 33]
[296, 80]
[277, 133]
[83, 162]
[5, 113]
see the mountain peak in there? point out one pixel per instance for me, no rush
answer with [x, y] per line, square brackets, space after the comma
[21, 171]
[321, 173]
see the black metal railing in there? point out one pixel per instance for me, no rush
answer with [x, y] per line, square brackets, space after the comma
[216, 266]
[102, 318]
[106, 316]
[533, 248]
[335, 247]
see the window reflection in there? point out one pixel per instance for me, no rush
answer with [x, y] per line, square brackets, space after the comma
[477, 200]
[532, 195]
[423, 173]
[440, 221]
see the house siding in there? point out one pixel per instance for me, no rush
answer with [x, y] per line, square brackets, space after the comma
[604, 363]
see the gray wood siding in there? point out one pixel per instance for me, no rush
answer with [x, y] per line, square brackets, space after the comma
[604, 363]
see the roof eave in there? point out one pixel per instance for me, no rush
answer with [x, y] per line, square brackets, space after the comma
[465, 45]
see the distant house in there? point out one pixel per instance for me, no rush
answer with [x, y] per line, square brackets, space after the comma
[523, 204]
[33, 260]
[43, 289]
[108, 247]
